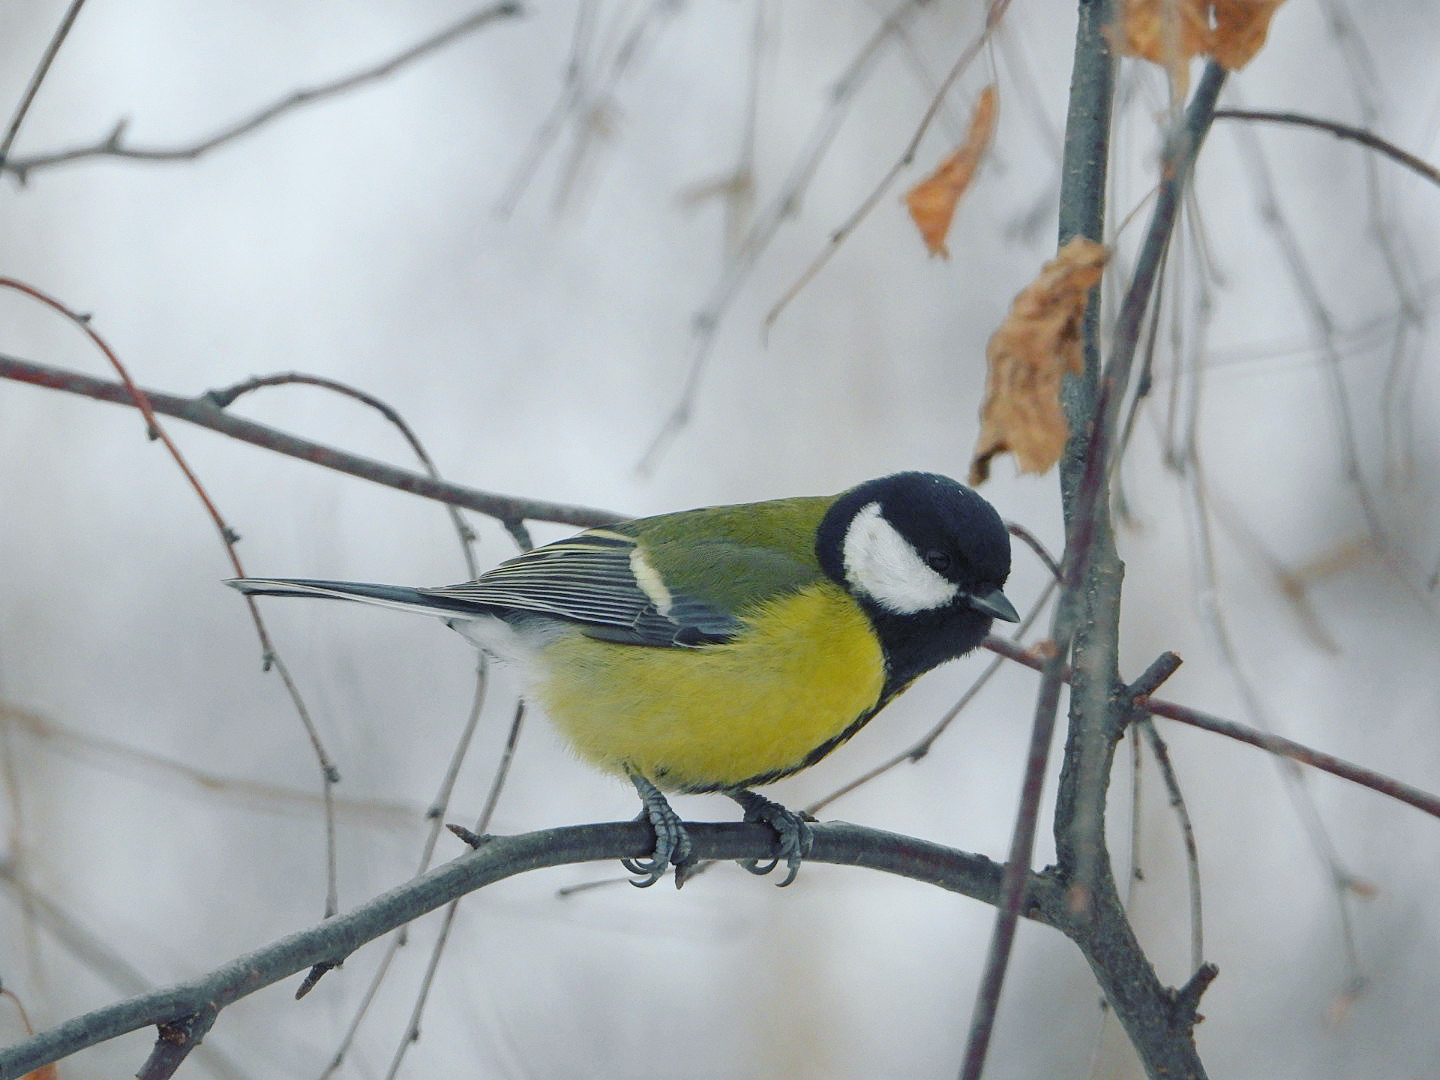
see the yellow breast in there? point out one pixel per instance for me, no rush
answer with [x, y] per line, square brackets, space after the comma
[719, 716]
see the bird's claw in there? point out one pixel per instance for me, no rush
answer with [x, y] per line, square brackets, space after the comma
[672, 842]
[793, 829]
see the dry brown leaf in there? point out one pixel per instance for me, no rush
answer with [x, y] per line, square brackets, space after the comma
[1240, 29]
[1027, 358]
[1165, 32]
[932, 201]
[1172, 32]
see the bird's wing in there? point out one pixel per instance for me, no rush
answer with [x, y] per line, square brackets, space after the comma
[610, 584]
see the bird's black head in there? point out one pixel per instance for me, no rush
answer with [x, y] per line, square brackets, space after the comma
[926, 558]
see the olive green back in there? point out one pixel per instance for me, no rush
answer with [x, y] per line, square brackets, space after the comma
[734, 557]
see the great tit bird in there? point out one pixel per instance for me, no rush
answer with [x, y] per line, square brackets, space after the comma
[723, 648]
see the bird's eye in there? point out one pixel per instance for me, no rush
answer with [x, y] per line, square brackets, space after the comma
[938, 561]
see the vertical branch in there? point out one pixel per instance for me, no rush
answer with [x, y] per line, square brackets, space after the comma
[1089, 612]
[1090, 549]
[1094, 571]
[1157, 1020]
[1082, 212]
[1085, 166]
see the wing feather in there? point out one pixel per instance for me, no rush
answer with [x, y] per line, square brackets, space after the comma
[590, 579]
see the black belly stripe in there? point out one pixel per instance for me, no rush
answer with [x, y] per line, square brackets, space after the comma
[809, 759]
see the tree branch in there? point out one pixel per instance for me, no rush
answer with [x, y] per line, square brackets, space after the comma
[1340, 131]
[174, 1039]
[113, 144]
[204, 412]
[1231, 729]
[1082, 212]
[57, 39]
[1090, 610]
[501, 857]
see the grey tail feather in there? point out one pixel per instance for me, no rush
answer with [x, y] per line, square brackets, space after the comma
[398, 597]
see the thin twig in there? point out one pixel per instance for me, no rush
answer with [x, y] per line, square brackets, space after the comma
[18, 847]
[1187, 834]
[113, 145]
[1179, 161]
[204, 412]
[466, 536]
[156, 771]
[955, 124]
[1165, 665]
[1306, 284]
[1143, 387]
[571, 92]
[1340, 131]
[994, 15]
[1397, 247]
[482, 825]
[411, 1034]
[1309, 290]
[594, 118]
[735, 189]
[1273, 744]
[132, 394]
[1138, 692]
[87, 947]
[41, 70]
[436, 815]
[1017, 870]
[1312, 298]
[767, 225]
[1031, 541]
[1186, 1000]
[1293, 779]
[1137, 870]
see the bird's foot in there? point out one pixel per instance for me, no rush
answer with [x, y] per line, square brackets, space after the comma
[792, 828]
[672, 842]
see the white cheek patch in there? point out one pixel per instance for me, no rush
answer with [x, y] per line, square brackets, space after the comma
[883, 565]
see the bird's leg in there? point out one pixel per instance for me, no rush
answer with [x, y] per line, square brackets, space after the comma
[792, 828]
[672, 842]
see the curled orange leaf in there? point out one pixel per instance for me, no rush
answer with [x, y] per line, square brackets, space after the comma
[1240, 30]
[932, 201]
[1027, 358]
[1172, 32]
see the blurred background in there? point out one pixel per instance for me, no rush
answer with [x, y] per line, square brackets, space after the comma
[532, 266]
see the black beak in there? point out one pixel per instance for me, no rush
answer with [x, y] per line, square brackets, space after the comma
[993, 603]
